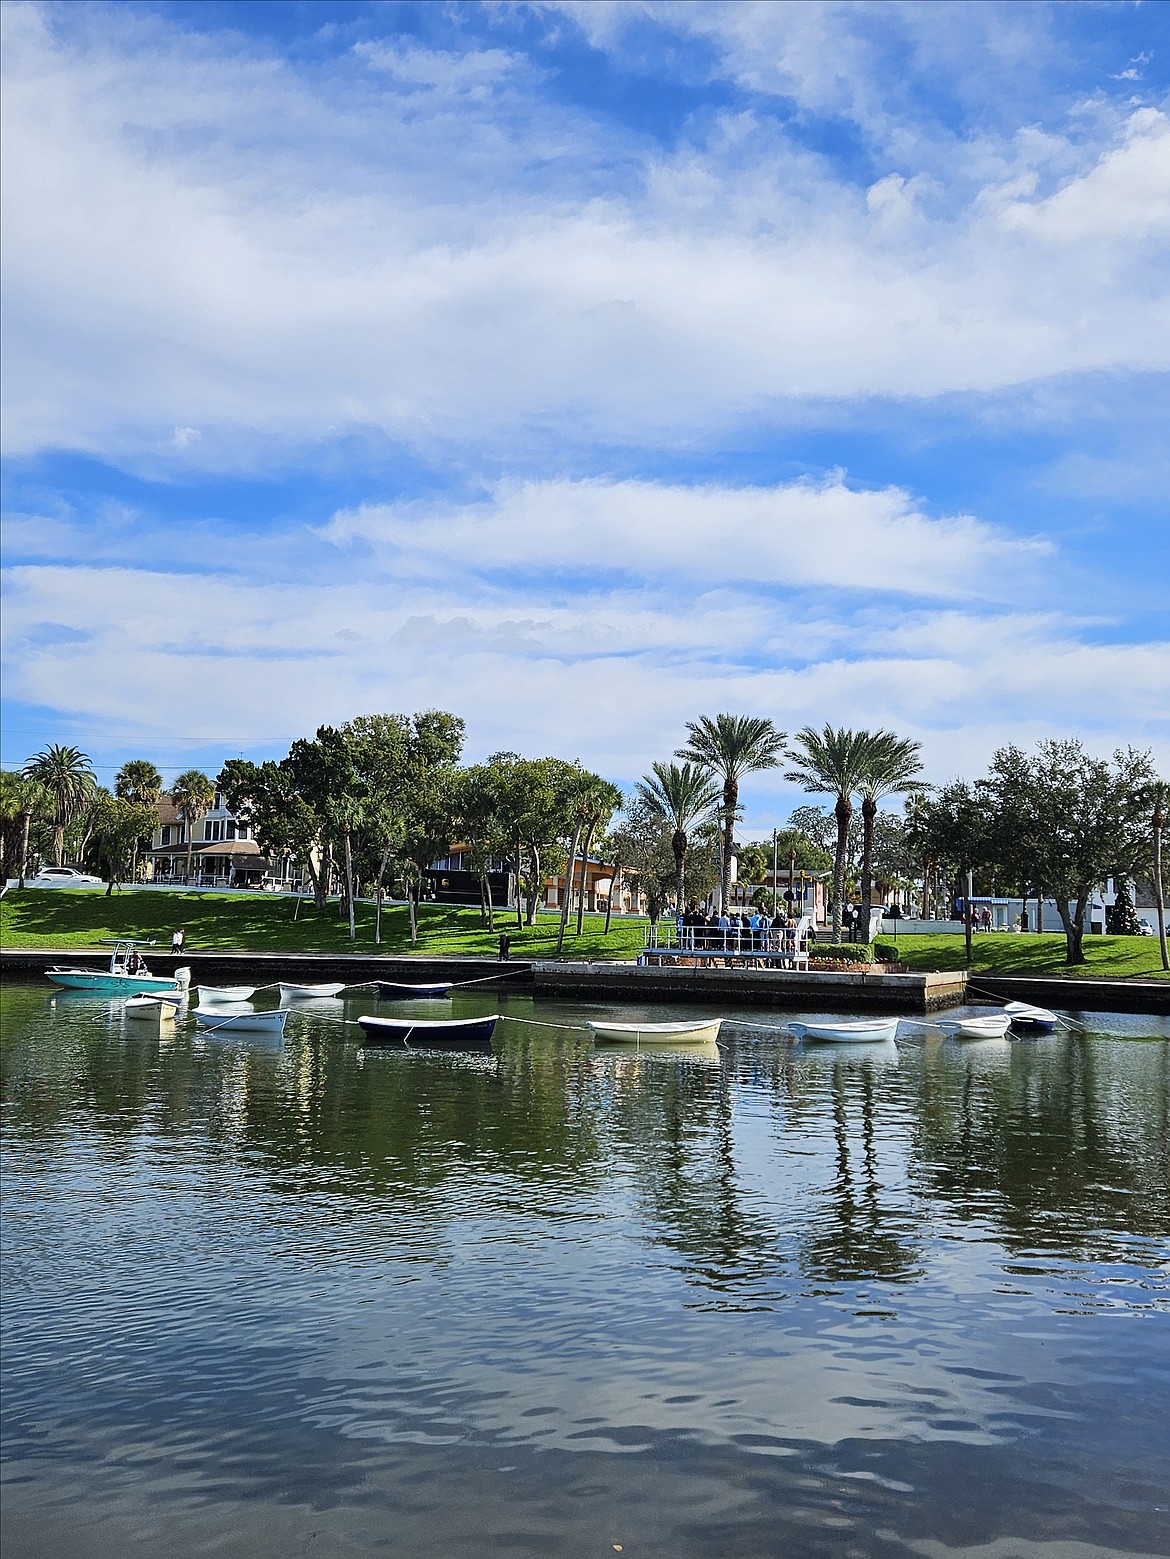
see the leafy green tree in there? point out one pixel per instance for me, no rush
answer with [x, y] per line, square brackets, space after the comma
[279, 802]
[192, 794]
[139, 782]
[117, 826]
[1068, 820]
[22, 799]
[601, 800]
[67, 775]
[889, 768]
[679, 795]
[642, 841]
[730, 746]
[953, 829]
[832, 762]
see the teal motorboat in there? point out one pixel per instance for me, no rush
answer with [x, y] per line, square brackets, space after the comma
[126, 976]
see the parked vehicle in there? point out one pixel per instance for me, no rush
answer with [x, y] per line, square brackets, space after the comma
[64, 877]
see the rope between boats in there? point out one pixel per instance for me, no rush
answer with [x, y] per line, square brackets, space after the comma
[506, 1017]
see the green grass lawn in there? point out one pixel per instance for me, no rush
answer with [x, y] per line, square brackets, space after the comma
[218, 922]
[1000, 952]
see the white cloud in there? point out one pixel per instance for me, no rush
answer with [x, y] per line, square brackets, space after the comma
[1126, 195]
[203, 240]
[803, 534]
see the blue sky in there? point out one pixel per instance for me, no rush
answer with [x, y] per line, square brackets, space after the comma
[584, 369]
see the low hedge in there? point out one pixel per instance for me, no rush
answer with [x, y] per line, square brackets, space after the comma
[885, 953]
[843, 952]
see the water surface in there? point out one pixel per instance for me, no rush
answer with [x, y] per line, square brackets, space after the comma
[266, 1298]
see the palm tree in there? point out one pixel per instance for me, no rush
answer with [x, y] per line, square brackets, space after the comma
[889, 770]
[67, 775]
[679, 796]
[601, 802]
[728, 747]
[192, 794]
[832, 763]
[140, 783]
[1161, 794]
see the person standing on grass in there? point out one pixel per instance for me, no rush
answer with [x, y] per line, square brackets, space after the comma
[178, 940]
[505, 947]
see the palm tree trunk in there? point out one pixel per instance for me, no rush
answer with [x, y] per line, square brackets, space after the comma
[730, 807]
[678, 844]
[568, 889]
[534, 887]
[1159, 894]
[868, 813]
[349, 885]
[190, 847]
[24, 847]
[843, 812]
[584, 875]
[609, 900]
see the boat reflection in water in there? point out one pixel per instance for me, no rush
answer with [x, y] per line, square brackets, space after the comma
[780, 1298]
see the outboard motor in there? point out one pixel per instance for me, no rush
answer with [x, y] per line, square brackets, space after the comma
[183, 978]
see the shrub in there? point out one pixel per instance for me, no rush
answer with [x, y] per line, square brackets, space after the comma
[885, 953]
[843, 952]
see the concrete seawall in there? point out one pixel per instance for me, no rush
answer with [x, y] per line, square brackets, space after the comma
[835, 991]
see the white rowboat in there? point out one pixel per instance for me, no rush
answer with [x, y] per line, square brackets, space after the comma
[252, 1022]
[308, 992]
[989, 1025]
[155, 1010]
[1024, 1016]
[848, 1031]
[210, 994]
[703, 1032]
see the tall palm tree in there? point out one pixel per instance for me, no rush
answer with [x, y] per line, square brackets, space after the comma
[728, 747]
[192, 794]
[680, 796]
[601, 802]
[67, 775]
[1161, 796]
[832, 762]
[889, 769]
[140, 783]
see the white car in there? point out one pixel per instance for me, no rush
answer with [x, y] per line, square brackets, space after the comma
[1146, 928]
[64, 877]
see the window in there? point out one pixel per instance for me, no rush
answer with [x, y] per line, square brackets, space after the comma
[166, 833]
[231, 830]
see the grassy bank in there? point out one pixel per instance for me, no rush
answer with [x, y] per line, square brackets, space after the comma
[223, 922]
[1109, 957]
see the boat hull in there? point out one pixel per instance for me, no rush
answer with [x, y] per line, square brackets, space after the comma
[209, 995]
[430, 1033]
[992, 1026]
[704, 1033]
[308, 992]
[215, 1018]
[150, 1011]
[105, 984]
[393, 990]
[1034, 1020]
[863, 1031]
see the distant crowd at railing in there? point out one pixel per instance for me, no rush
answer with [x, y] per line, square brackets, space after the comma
[732, 933]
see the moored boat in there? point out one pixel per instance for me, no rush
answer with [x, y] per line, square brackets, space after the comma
[428, 1033]
[209, 995]
[152, 1010]
[219, 1019]
[983, 1025]
[848, 1031]
[1037, 1020]
[127, 975]
[309, 992]
[399, 990]
[701, 1031]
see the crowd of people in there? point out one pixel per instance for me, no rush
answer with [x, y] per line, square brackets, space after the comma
[751, 931]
